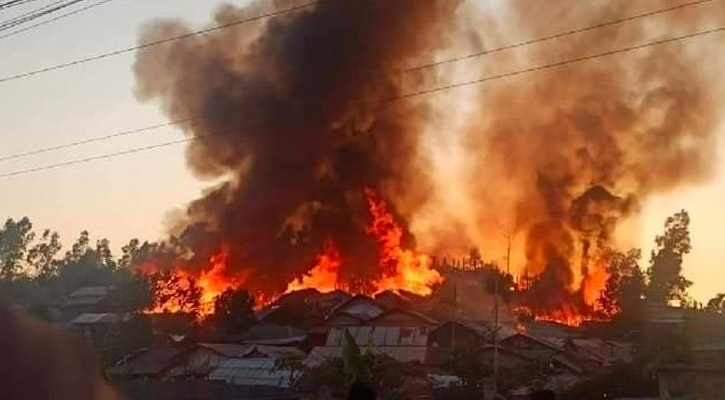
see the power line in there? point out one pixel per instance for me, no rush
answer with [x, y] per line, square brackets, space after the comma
[312, 3]
[558, 35]
[557, 64]
[161, 41]
[13, 3]
[397, 98]
[37, 13]
[59, 17]
[94, 139]
[455, 59]
[99, 157]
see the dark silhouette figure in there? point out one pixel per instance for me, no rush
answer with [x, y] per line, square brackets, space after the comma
[544, 395]
[361, 391]
[39, 362]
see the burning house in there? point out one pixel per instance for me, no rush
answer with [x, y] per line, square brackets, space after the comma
[329, 178]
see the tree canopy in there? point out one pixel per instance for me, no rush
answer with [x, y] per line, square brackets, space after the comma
[666, 282]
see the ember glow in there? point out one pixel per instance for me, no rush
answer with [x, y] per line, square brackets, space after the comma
[402, 269]
[564, 160]
[567, 315]
[181, 291]
[324, 276]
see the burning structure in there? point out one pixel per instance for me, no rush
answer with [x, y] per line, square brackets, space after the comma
[335, 174]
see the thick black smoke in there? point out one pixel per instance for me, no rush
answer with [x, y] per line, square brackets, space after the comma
[298, 108]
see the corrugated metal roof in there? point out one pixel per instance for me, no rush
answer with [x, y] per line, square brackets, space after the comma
[227, 349]
[360, 306]
[319, 355]
[273, 335]
[150, 362]
[83, 301]
[716, 346]
[243, 350]
[379, 336]
[422, 318]
[95, 318]
[91, 291]
[277, 351]
[251, 371]
[444, 381]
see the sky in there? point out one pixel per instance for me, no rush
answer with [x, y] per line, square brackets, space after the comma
[132, 196]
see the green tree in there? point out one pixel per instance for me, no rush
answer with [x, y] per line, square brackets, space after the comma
[292, 364]
[716, 304]
[41, 256]
[126, 337]
[103, 254]
[132, 291]
[233, 311]
[475, 260]
[129, 253]
[84, 265]
[352, 359]
[666, 282]
[380, 371]
[15, 236]
[466, 362]
[173, 293]
[625, 288]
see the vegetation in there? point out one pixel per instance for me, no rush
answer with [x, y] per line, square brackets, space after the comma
[666, 283]
[35, 274]
[623, 299]
[233, 311]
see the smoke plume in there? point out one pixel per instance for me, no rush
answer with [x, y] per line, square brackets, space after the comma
[301, 123]
[566, 154]
[297, 108]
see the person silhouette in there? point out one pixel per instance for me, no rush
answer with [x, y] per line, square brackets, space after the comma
[544, 395]
[361, 391]
[42, 362]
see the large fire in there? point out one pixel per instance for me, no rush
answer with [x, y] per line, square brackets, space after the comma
[402, 270]
[324, 276]
[405, 269]
[566, 314]
[181, 291]
[582, 304]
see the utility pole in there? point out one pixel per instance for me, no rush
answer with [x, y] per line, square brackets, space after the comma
[495, 330]
[508, 254]
[453, 326]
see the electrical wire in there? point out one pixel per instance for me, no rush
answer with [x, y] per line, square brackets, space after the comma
[95, 139]
[59, 17]
[289, 10]
[393, 99]
[37, 13]
[557, 35]
[313, 3]
[13, 3]
[416, 68]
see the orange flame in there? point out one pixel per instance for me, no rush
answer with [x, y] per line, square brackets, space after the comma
[593, 285]
[324, 275]
[182, 292]
[566, 315]
[404, 269]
